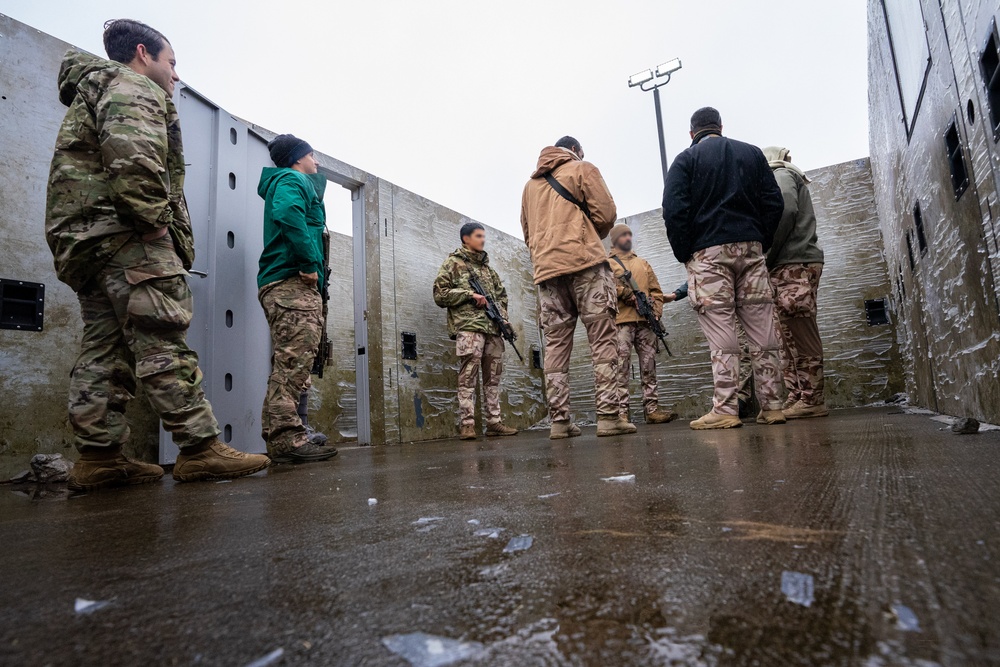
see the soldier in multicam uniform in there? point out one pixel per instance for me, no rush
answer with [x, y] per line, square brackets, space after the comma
[796, 264]
[633, 329]
[119, 230]
[289, 280]
[478, 343]
[566, 210]
[721, 206]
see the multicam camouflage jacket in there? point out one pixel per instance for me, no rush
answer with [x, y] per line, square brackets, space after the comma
[118, 168]
[452, 291]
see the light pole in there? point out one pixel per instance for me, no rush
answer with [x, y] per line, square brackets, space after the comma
[654, 79]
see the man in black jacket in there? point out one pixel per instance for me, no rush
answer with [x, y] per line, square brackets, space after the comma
[721, 206]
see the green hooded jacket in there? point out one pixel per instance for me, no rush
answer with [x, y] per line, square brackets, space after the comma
[294, 220]
[117, 170]
[452, 291]
[795, 239]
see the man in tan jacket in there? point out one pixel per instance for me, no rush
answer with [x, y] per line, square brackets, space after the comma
[566, 210]
[633, 329]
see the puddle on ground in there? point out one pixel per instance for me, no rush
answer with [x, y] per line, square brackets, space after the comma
[423, 650]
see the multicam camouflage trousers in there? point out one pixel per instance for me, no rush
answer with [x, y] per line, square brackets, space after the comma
[796, 286]
[294, 313]
[475, 351]
[746, 368]
[136, 313]
[727, 284]
[588, 295]
[637, 335]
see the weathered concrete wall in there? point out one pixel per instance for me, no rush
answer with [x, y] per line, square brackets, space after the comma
[947, 300]
[862, 362]
[420, 394]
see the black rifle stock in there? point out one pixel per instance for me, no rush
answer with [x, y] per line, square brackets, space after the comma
[325, 352]
[644, 306]
[494, 314]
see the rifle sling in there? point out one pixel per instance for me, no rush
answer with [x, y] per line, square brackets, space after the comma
[568, 196]
[628, 274]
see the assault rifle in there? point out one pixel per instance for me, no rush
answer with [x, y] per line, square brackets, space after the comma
[494, 314]
[645, 308]
[325, 351]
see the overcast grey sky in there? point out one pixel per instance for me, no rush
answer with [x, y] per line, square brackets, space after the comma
[453, 99]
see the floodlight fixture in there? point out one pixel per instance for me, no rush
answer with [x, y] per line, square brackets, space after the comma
[652, 80]
[668, 67]
[640, 78]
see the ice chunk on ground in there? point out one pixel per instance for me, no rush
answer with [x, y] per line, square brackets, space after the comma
[492, 533]
[519, 543]
[372, 501]
[473, 522]
[906, 620]
[550, 495]
[268, 659]
[423, 650]
[424, 520]
[797, 587]
[624, 477]
[89, 606]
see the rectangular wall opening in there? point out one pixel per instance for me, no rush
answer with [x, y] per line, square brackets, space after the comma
[989, 65]
[956, 160]
[918, 223]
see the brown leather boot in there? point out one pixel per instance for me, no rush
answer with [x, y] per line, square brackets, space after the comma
[215, 460]
[500, 429]
[100, 468]
[616, 425]
[802, 411]
[659, 416]
[563, 430]
[467, 432]
[771, 417]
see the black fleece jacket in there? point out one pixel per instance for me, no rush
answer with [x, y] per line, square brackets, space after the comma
[720, 191]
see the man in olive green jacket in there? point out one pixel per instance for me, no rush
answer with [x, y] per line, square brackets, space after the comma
[477, 340]
[795, 262]
[118, 227]
[289, 279]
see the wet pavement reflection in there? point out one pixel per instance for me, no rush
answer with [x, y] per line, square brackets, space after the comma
[867, 538]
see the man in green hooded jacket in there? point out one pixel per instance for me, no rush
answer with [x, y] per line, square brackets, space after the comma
[118, 227]
[289, 281]
[477, 340]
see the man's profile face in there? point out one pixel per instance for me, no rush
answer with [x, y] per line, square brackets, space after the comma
[162, 69]
[624, 242]
[476, 240]
[307, 164]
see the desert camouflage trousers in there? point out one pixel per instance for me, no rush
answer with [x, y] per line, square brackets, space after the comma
[475, 351]
[640, 337]
[294, 314]
[727, 284]
[588, 295]
[796, 287]
[743, 392]
[136, 312]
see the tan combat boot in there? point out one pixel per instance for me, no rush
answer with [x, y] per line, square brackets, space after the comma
[99, 469]
[714, 420]
[617, 425]
[563, 430]
[500, 429]
[802, 411]
[771, 417]
[467, 432]
[659, 416]
[215, 460]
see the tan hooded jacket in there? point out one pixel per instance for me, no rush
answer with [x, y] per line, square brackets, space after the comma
[559, 236]
[644, 278]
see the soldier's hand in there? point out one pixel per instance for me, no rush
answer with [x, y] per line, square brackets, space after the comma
[479, 299]
[310, 279]
[631, 300]
[669, 297]
[152, 236]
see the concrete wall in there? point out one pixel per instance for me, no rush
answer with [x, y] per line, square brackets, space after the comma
[862, 362]
[947, 302]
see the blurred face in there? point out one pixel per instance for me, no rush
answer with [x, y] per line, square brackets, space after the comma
[162, 69]
[476, 240]
[307, 164]
[624, 242]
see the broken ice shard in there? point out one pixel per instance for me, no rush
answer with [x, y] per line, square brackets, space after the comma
[625, 477]
[797, 587]
[424, 520]
[89, 606]
[519, 543]
[423, 650]
[906, 620]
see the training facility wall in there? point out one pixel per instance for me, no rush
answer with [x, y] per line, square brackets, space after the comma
[862, 362]
[944, 261]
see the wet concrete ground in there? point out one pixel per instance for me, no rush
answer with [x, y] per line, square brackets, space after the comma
[882, 527]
